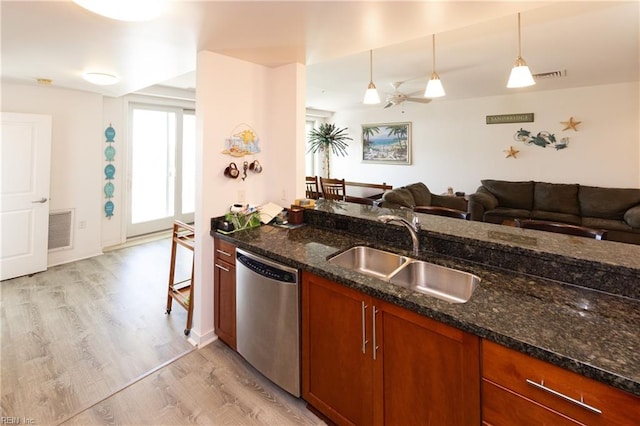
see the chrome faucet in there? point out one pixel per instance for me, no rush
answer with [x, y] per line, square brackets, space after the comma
[413, 227]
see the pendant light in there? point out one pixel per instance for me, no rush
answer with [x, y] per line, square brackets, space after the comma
[371, 96]
[434, 86]
[520, 74]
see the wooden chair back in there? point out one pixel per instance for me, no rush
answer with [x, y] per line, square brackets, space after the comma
[442, 211]
[332, 189]
[562, 228]
[313, 190]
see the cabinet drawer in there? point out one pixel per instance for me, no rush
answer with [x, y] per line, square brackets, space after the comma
[224, 251]
[501, 407]
[553, 386]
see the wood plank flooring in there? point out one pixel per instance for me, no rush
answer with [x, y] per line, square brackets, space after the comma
[76, 340]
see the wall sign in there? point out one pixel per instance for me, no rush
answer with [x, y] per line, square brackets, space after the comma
[510, 118]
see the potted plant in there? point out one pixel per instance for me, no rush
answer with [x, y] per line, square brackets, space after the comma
[326, 139]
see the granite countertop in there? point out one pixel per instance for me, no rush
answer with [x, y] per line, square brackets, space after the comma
[587, 331]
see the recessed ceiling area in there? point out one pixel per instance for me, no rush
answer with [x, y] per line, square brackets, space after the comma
[595, 42]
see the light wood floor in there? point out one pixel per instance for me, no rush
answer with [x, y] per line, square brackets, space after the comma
[88, 343]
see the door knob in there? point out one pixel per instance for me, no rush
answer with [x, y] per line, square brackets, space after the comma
[41, 200]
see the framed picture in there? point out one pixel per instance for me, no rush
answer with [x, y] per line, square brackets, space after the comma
[388, 143]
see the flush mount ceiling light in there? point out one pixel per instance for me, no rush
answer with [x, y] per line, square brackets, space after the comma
[520, 74]
[126, 10]
[434, 86]
[101, 79]
[371, 96]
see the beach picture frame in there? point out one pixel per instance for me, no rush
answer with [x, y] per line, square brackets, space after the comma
[386, 143]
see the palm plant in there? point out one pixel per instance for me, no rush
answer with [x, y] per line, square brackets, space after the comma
[326, 139]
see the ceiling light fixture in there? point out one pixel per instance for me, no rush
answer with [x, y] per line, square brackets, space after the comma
[434, 86]
[101, 79]
[371, 96]
[126, 10]
[520, 74]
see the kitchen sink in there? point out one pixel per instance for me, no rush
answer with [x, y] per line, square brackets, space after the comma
[370, 261]
[438, 281]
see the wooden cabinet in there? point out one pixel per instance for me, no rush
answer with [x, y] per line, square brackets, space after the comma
[224, 291]
[337, 377]
[366, 361]
[519, 389]
[426, 372]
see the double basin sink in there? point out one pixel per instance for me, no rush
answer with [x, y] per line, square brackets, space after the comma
[438, 281]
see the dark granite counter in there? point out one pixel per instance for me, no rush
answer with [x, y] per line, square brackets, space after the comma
[567, 300]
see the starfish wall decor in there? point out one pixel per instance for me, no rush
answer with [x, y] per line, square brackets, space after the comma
[511, 152]
[571, 124]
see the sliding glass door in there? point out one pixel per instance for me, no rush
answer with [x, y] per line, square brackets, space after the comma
[162, 166]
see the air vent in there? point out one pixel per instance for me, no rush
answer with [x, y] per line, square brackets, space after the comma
[552, 74]
[60, 229]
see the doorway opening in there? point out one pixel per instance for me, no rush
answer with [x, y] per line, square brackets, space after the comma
[162, 168]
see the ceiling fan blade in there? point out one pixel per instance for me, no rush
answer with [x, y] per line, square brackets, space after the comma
[420, 100]
[388, 104]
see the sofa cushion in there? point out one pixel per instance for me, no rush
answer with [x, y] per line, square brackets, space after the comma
[556, 197]
[607, 203]
[571, 219]
[400, 197]
[599, 223]
[515, 195]
[632, 217]
[500, 214]
[421, 194]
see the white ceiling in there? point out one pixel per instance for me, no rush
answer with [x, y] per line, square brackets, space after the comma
[595, 42]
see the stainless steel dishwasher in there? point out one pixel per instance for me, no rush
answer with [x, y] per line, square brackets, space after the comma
[268, 318]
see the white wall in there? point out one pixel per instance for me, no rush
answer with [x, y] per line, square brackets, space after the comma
[232, 94]
[77, 158]
[452, 145]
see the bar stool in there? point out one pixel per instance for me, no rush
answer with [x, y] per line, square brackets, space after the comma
[181, 292]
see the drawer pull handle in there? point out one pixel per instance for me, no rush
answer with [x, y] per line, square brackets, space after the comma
[222, 267]
[223, 252]
[563, 396]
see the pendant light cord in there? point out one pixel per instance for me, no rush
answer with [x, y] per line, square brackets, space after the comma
[370, 66]
[519, 43]
[433, 63]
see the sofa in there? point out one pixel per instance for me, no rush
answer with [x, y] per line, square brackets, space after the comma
[418, 195]
[615, 209]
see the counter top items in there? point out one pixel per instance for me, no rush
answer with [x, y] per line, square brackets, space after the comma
[615, 209]
[570, 301]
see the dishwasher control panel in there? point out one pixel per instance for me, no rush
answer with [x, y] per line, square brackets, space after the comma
[266, 270]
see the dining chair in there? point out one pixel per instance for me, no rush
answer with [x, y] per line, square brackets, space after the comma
[332, 189]
[562, 228]
[442, 211]
[313, 190]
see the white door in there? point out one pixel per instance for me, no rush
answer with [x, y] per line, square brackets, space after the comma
[25, 162]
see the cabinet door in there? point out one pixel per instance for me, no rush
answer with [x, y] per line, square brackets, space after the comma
[426, 372]
[224, 295]
[337, 375]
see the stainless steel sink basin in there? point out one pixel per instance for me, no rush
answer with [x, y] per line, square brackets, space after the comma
[369, 261]
[424, 277]
[438, 281]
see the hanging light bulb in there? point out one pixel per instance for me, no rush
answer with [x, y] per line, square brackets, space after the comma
[520, 74]
[371, 96]
[434, 86]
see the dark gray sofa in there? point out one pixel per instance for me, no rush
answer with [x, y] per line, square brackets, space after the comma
[418, 195]
[615, 209]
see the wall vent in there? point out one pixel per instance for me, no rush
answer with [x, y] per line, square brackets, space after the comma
[60, 229]
[552, 74]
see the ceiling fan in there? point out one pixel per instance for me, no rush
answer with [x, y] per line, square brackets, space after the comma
[397, 97]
